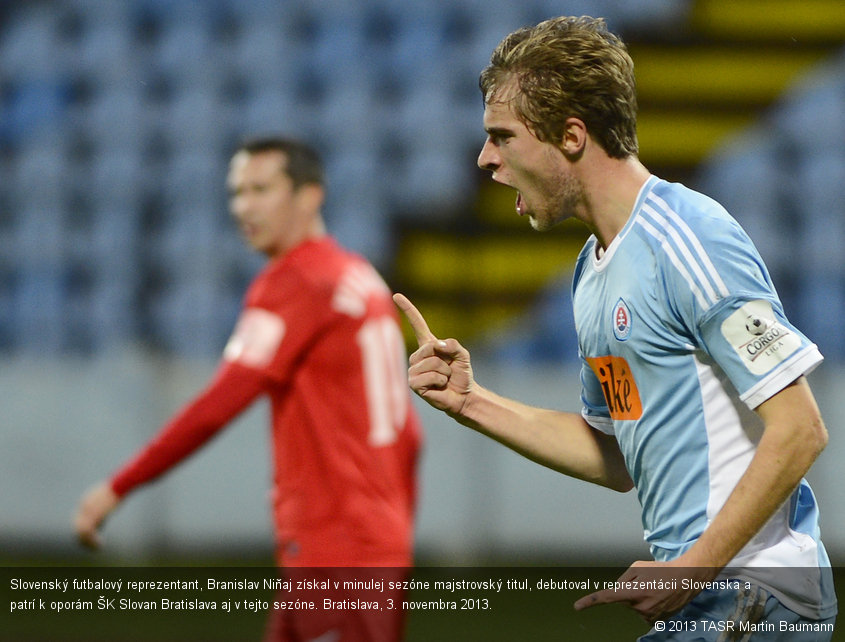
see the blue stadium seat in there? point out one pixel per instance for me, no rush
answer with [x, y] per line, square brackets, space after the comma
[748, 180]
[271, 108]
[117, 178]
[197, 118]
[38, 179]
[194, 180]
[186, 54]
[30, 47]
[118, 119]
[114, 117]
[38, 325]
[816, 98]
[819, 310]
[113, 239]
[261, 57]
[546, 331]
[187, 317]
[820, 190]
[104, 51]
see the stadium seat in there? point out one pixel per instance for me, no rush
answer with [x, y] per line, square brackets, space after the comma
[38, 324]
[194, 180]
[819, 307]
[114, 117]
[30, 47]
[118, 119]
[186, 317]
[38, 181]
[748, 179]
[198, 119]
[103, 50]
[818, 187]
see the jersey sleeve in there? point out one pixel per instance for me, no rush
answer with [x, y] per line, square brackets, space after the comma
[724, 295]
[283, 316]
[231, 390]
[594, 408]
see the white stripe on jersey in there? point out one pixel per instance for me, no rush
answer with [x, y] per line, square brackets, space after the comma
[684, 250]
[696, 244]
[664, 243]
[354, 288]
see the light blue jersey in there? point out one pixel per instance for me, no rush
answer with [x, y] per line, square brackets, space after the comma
[681, 335]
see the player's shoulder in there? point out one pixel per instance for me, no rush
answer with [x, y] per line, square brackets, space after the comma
[679, 224]
[308, 270]
[324, 271]
[675, 208]
[697, 245]
[312, 262]
[326, 264]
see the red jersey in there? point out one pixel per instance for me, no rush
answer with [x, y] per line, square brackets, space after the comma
[319, 334]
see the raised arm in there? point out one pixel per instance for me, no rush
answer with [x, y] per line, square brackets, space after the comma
[440, 372]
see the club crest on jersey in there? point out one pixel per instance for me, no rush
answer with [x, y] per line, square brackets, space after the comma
[621, 320]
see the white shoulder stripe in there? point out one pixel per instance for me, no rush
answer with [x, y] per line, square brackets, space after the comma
[696, 244]
[684, 250]
[667, 247]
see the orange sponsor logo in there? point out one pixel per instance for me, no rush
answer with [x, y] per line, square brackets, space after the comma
[620, 389]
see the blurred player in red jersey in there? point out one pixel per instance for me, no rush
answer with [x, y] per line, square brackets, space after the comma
[320, 336]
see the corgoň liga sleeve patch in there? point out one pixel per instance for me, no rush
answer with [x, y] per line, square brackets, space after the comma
[760, 340]
[256, 338]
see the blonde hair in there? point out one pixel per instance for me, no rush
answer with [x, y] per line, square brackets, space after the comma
[568, 67]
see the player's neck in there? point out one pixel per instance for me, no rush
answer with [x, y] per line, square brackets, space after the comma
[313, 230]
[612, 190]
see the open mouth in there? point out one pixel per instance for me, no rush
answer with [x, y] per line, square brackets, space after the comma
[520, 204]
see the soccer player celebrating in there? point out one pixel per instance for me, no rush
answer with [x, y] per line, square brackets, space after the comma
[693, 383]
[320, 336]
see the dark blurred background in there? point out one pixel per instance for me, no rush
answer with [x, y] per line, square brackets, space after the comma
[121, 274]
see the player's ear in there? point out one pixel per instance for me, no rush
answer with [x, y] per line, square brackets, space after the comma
[574, 138]
[311, 196]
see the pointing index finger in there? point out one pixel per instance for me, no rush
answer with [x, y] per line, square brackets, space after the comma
[415, 318]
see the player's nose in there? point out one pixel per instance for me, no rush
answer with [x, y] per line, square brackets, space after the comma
[488, 158]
